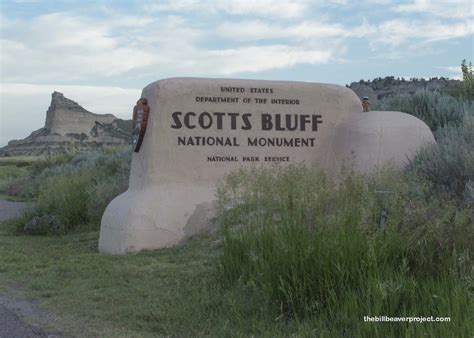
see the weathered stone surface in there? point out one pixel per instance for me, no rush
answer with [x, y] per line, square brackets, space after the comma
[368, 141]
[64, 116]
[173, 176]
[68, 124]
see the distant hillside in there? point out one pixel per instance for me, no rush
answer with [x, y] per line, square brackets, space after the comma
[69, 124]
[380, 88]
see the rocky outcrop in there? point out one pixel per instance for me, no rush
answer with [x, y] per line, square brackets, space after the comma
[64, 116]
[68, 125]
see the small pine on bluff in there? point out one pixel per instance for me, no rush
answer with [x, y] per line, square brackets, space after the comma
[68, 123]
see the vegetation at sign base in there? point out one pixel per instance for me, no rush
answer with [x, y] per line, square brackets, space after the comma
[279, 268]
[330, 253]
[448, 166]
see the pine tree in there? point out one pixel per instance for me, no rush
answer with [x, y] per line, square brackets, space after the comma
[468, 81]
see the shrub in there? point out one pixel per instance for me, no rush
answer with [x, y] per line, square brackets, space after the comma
[102, 194]
[42, 225]
[468, 81]
[435, 109]
[13, 178]
[66, 196]
[76, 189]
[51, 161]
[449, 164]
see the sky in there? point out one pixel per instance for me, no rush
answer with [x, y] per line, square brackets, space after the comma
[102, 53]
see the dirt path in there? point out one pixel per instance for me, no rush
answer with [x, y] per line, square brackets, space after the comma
[11, 323]
[20, 318]
[11, 209]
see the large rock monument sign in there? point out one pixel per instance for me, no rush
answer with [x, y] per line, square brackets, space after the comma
[198, 130]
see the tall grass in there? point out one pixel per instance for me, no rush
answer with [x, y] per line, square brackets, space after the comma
[327, 252]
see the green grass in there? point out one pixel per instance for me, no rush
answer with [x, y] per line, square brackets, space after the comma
[169, 292]
[319, 252]
[14, 172]
[14, 160]
[290, 263]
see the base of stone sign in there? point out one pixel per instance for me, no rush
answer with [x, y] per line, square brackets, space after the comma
[155, 218]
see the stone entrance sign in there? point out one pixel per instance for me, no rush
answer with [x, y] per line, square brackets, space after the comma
[200, 129]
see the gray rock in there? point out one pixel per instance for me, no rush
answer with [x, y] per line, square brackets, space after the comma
[68, 125]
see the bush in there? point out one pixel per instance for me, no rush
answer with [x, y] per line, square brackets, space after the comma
[66, 196]
[42, 225]
[52, 161]
[435, 109]
[14, 179]
[338, 251]
[75, 189]
[449, 164]
[102, 194]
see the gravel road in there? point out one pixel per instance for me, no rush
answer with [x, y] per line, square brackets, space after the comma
[11, 209]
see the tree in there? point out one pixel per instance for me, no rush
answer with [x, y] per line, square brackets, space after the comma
[467, 81]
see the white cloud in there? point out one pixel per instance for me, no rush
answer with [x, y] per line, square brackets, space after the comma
[256, 30]
[258, 8]
[315, 30]
[255, 59]
[458, 9]
[65, 47]
[60, 46]
[400, 31]
[23, 106]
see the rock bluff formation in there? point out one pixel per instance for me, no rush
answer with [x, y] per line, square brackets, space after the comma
[69, 124]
